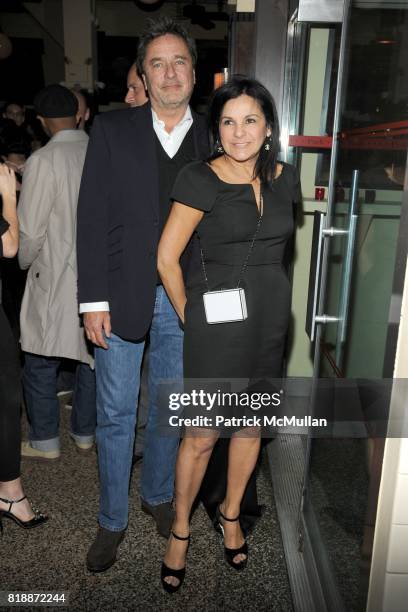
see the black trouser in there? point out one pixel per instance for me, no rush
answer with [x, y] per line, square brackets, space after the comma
[10, 403]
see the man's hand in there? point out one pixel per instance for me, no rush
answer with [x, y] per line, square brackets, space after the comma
[95, 324]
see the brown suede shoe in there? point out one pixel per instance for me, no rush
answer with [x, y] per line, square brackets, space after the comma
[102, 554]
[163, 515]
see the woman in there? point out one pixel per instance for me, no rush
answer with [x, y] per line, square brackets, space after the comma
[240, 203]
[13, 502]
[14, 150]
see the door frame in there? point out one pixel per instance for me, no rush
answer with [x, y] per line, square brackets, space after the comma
[312, 581]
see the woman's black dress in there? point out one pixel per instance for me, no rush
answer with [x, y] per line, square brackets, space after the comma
[10, 391]
[249, 349]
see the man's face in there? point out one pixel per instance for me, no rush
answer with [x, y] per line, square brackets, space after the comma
[168, 72]
[136, 94]
[15, 113]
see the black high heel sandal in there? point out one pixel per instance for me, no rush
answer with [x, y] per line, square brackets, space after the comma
[37, 520]
[230, 553]
[175, 573]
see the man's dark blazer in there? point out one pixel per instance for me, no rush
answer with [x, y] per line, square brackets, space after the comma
[118, 216]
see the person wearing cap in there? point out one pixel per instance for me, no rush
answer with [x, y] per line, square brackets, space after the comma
[50, 325]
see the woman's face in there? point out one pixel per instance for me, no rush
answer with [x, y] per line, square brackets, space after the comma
[16, 162]
[242, 128]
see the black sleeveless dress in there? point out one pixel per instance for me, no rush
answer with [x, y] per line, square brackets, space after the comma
[253, 348]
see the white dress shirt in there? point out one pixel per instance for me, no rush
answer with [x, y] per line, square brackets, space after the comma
[171, 142]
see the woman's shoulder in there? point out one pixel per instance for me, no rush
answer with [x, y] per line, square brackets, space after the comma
[198, 169]
[290, 174]
[289, 171]
[196, 185]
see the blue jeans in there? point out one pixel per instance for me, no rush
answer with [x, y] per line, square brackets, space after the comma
[117, 383]
[143, 403]
[40, 394]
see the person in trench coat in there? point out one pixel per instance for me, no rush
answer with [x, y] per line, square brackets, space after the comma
[51, 327]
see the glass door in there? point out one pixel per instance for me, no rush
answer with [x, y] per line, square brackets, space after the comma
[358, 164]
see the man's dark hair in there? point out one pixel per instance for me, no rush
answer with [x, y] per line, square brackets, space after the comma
[161, 27]
[239, 85]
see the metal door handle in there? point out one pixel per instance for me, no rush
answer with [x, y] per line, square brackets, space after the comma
[330, 232]
[323, 319]
[347, 276]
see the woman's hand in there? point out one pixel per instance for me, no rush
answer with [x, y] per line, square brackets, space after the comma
[177, 232]
[9, 213]
[7, 182]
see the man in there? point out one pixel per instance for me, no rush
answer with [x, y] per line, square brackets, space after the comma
[15, 113]
[84, 112]
[133, 158]
[66, 374]
[136, 93]
[50, 325]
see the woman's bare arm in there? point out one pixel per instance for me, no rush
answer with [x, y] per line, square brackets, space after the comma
[178, 230]
[8, 194]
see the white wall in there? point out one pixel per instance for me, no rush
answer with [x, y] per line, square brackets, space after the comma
[388, 590]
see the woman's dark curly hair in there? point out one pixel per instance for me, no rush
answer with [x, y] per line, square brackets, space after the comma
[14, 139]
[265, 167]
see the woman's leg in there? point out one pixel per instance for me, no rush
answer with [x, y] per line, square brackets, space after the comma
[10, 438]
[243, 455]
[192, 460]
[13, 490]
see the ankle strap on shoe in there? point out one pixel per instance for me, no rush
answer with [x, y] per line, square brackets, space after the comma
[180, 537]
[225, 518]
[12, 501]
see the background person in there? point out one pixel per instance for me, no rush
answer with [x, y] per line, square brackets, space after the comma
[67, 370]
[15, 147]
[13, 502]
[14, 150]
[84, 112]
[50, 325]
[241, 190]
[15, 112]
[136, 92]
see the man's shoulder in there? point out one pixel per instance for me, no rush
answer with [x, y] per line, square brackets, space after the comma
[198, 116]
[199, 119]
[58, 147]
[40, 155]
[121, 116]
